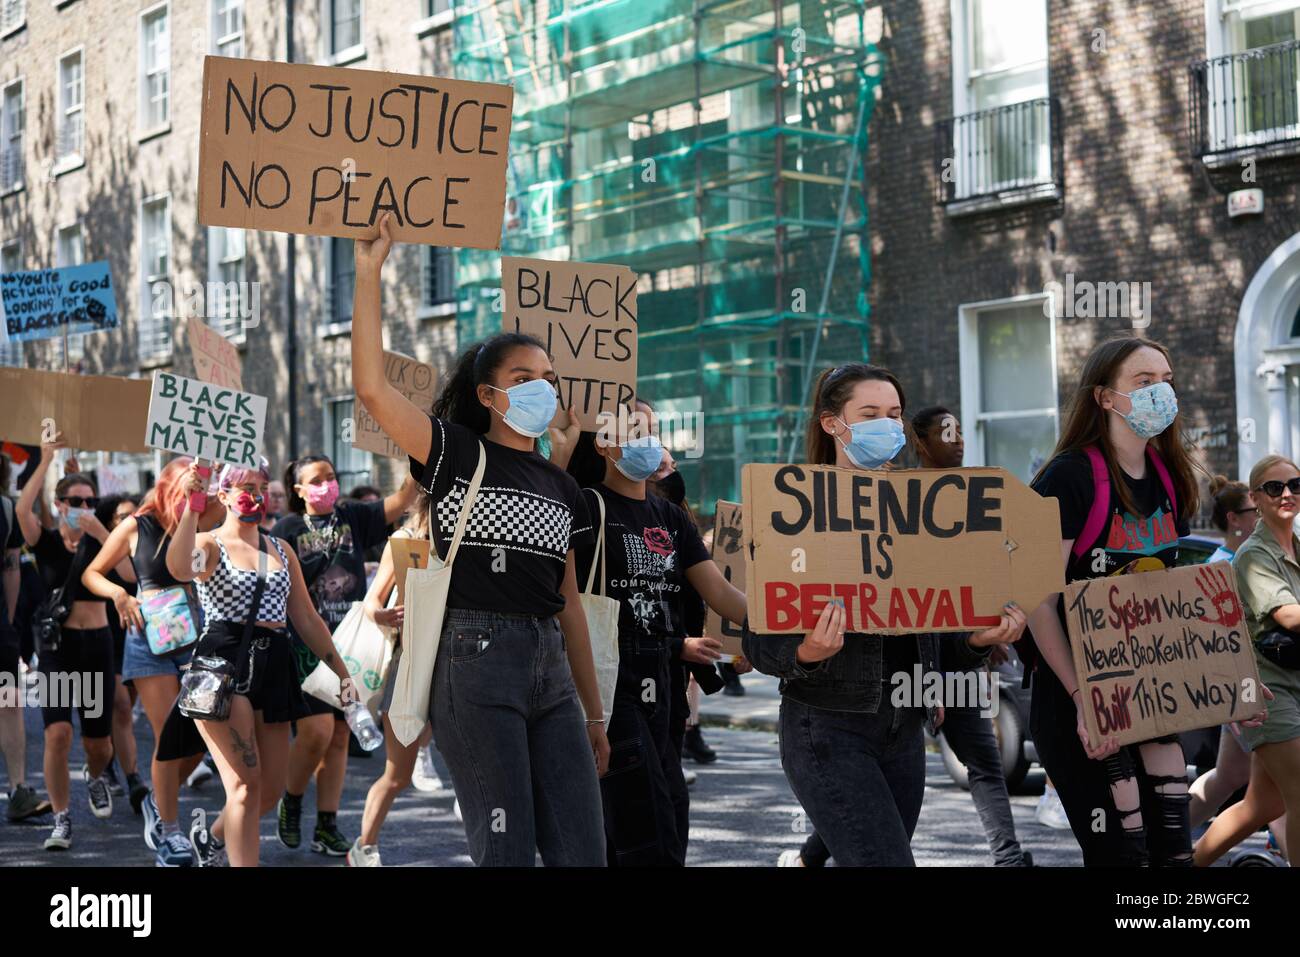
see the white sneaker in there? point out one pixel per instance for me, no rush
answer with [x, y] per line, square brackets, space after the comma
[691, 778]
[200, 775]
[424, 777]
[1050, 811]
[790, 859]
[455, 809]
[363, 855]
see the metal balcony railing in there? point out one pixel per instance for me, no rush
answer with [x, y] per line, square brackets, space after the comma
[11, 168]
[1008, 153]
[70, 137]
[1245, 101]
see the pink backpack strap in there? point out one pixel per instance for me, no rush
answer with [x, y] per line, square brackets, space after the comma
[1165, 480]
[1100, 510]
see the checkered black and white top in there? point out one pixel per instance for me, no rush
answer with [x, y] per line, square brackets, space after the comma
[228, 592]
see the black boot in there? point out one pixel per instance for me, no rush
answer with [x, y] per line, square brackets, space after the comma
[693, 744]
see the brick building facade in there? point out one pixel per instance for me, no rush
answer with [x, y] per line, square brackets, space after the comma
[99, 161]
[1093, 143]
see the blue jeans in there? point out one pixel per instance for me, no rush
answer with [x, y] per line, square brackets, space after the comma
[507, 720]
[972, 740]
[860, 778]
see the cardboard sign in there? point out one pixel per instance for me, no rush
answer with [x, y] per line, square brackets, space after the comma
[416, 381]
[585, 313]
[729, 556]
[408, 553]
[325, 151]
[208, 422]
[1161, 652]
[94, 412]
[216, 360]
[47, 303]
[908, 550]
[118, 480]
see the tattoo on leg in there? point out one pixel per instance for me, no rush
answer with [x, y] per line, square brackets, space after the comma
[246, 748]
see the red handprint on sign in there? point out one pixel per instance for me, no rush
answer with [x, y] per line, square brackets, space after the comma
[1216, 585]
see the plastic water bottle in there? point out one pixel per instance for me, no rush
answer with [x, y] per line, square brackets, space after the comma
[363, 726]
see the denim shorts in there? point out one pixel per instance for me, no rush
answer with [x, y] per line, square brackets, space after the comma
[139, 662]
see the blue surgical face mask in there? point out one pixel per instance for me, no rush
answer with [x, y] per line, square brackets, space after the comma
[1153, 409]
[75, 517]
[873, 442]
[532, 406]
[641, 458]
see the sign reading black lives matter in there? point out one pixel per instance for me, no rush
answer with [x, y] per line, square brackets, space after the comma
[1161, 652]
[326, 151]
[585, 314]
[205, 421]
[907, 550]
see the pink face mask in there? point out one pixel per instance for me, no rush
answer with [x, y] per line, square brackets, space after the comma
[249, 508]
[323, 495]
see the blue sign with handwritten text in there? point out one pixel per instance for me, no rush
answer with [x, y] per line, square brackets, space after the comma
[45, 303]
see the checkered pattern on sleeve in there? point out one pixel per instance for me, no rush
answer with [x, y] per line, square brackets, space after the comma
[227, 594]
[509, 518]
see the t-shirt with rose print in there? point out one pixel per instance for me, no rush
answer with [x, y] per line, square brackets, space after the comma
[649, 545]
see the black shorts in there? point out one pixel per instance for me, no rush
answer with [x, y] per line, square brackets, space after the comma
[9, 656]
[265, 675]
[79, 675]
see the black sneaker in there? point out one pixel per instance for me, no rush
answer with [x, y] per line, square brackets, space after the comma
[60, 838]
[734, 688]
[23, 803]
[694, 746]
[289, 826]
[101, 796]
[112, 780]
[139, 791]
[208, 852]
[329, 840]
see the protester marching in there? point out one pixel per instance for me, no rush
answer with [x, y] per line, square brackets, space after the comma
[498, 580]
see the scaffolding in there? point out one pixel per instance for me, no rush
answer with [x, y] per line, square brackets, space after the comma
[716, 149]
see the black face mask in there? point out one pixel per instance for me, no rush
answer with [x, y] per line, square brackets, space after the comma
[673, 487]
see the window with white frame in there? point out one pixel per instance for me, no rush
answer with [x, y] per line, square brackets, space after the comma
[13, 14]
[72, 102]
[69, 250]
[1255, 98]
[154, 337]
[11, 137]
[11, 260]
[434, 7]
[155, 68]
[1008, 384]
[437, 276]
[342, 281]
[344, 25]
[227, 252]
[1000, 74]
[228, 27]
[351, 466]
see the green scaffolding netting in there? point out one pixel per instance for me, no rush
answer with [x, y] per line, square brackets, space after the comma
[706, 146]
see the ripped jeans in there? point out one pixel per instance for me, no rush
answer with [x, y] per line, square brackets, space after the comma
[1148, 783]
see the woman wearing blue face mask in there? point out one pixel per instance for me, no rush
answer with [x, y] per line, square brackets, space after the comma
[652, 551]
[1126, 491]
[855, 761]
[515, 708]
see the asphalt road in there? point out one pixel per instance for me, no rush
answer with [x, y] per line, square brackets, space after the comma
[743, 814]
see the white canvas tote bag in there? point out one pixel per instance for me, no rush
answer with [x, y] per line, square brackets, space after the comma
[602, 621]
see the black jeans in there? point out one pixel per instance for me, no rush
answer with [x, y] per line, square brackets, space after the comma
[1084, 786]
[507, 720]
[639, 792]
[972, 740]
[860, 778]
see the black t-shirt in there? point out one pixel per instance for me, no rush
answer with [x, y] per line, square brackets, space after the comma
[55, 562]
[11, 537]
[1127, 543]
[331, 550]
[527, 517]
[649, 545]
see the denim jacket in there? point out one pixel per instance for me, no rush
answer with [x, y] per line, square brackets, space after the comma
[852, 679]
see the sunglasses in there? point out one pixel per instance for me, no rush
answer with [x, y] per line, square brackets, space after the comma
[1246, 511]
[76, 501]
[1274, 489]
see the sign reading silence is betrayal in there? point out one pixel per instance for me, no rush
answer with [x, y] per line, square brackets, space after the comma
[907, 550]
[46, 303]
[1161, 652]
[326, 150]
[205, 421]
[585, 315]
[416, 381]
